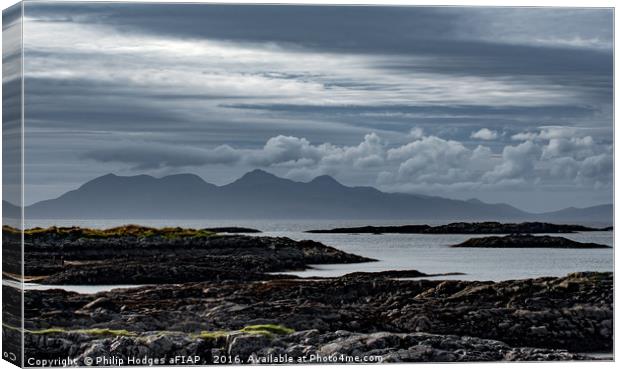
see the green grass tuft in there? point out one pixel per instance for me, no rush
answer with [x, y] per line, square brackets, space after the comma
[267, 329]
[47, 331]
[212, 335]
[92, 331]
[106, 332]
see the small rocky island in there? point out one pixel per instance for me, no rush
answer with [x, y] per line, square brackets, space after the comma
[528, 241]
[215, 297]
[468, 228]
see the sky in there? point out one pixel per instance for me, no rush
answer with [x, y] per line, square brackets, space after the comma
[501, 104]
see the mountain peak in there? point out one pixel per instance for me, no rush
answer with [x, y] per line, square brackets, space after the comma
[263, 195]
[325, 180]
[106, 176]
[102, 179]
[257, 173]
[258, 177]
[110, 180]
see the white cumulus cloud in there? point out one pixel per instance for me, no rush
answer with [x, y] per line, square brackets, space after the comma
[425, 161]
[484, 134]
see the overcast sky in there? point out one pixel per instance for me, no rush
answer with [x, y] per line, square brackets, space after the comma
[502, 104]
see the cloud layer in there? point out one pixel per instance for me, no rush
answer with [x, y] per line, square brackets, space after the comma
[463, 102]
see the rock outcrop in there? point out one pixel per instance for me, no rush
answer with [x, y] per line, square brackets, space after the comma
[145, 256]
[573, 313]
[215, 297]
[309, 346]
[467, 228]
[528, 241]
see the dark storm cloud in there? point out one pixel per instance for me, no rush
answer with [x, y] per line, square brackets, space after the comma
[444, 33]
[492, 59]
[360, 28]
[371, 28]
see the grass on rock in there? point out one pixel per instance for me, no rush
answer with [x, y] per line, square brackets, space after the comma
[126, 230]
[267, 329]
[92, 331]
[208, 335]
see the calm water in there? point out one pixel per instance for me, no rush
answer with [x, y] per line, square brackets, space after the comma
[427, 253]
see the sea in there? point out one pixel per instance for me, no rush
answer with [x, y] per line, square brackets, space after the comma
[430, 254]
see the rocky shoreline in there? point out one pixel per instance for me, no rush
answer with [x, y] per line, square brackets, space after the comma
[142, 255]
[528, 241]
[215, 296]
[398, 320]
[468, 228]
[309, 347]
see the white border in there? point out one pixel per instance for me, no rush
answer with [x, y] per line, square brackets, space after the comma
[493, 3]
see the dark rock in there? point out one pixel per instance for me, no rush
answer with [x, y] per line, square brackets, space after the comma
[72, 258]
[222, 284]
[571, 313]
[244, 345]
[232, 230]
[101, 302]
[468, 228]
[376, 229]
[247, 348]
[528, 241]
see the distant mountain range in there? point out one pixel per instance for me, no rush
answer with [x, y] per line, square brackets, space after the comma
[259, 194]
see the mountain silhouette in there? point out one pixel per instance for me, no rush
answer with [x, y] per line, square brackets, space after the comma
[262, 195]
